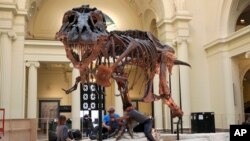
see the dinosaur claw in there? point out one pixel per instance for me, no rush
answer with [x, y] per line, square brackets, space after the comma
[66, 91]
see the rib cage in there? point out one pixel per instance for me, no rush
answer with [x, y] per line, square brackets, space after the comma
[145, 55]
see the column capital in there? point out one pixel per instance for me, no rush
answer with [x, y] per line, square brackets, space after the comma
[180, 7]
[3, 32]
[12, 35]
[178, 41]
[71, 65]
[32, 63]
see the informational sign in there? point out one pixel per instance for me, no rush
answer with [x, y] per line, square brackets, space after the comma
[65, 108]
[2, 120]
[90, 93]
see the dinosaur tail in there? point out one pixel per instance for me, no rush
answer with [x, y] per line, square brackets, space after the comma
[178, 62]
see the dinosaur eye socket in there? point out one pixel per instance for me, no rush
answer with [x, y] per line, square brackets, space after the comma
[97, 20]
[92, 21]
[69, 17]
[94, 18]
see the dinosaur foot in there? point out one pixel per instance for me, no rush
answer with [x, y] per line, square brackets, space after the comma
[176, 111]
[103, 75]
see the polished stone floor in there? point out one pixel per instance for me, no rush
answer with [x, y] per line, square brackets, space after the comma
[220, 136]
[224, 136]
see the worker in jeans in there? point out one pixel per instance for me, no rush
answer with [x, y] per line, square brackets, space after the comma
[144, 121]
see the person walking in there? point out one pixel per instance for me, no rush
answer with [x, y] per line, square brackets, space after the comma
[87, 125]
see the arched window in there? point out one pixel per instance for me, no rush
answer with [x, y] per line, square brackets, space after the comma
[244, 19]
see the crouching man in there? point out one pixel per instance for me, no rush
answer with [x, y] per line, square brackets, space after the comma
[144, 121]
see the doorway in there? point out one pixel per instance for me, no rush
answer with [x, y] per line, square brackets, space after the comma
[246, 94]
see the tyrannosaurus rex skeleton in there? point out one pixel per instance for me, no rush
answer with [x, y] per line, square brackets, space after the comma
[101, 55]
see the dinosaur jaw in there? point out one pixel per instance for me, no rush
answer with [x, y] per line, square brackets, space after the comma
[79, 53]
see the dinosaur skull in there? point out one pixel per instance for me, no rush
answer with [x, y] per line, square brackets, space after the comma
[81, 31]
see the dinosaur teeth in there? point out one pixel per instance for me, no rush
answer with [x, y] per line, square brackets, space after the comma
[78, 52]
[81, 51]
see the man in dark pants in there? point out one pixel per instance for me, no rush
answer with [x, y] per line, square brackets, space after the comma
[87, 125]
[144, 121]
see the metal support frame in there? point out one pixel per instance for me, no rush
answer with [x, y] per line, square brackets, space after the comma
[179, 122]
[99, 92]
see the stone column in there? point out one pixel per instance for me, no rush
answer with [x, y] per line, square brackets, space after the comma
[228, 86]
[182, 51]
[75, 100]
[5, 71]
[175, 93]
[180, 7]
[158, 113]
[32, 88]
[18, 76]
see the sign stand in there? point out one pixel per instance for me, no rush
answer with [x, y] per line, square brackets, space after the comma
[2, 115]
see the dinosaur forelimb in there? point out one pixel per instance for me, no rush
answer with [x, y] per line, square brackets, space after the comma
[74, 87]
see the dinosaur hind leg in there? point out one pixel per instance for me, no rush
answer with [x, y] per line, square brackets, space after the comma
[176, 111]
[149, 96]
[165, 91]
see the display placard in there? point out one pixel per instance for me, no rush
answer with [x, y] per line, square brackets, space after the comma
[2, 120]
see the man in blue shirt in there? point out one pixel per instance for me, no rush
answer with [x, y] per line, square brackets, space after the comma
[109, 120]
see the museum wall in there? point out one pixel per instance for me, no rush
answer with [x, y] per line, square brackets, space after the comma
[50, 84]
[231, 66]
[202, 30]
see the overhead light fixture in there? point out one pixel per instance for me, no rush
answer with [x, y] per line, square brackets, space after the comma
[242, 21]
[247, 54]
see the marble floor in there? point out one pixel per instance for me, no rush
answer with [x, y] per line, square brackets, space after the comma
[224, 136]
[220, 136]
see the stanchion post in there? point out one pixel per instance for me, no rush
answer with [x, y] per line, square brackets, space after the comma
[177, 126]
